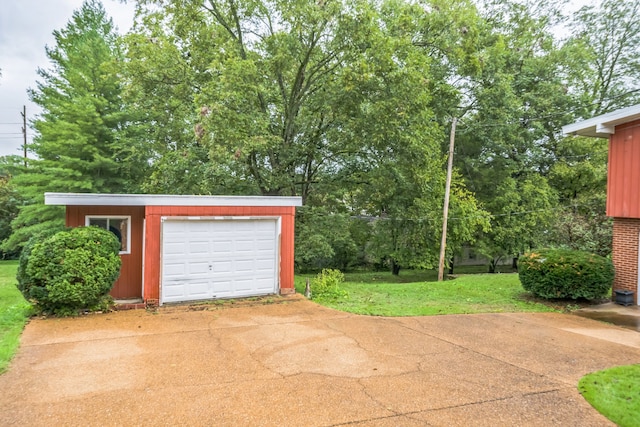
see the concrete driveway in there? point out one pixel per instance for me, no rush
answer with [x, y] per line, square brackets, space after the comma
[294, 363]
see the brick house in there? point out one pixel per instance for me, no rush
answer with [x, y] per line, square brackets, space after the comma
[622, 128]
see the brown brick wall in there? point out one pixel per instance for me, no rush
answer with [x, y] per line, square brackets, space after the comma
[625, 253]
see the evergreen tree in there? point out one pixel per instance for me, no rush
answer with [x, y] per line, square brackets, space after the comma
[78, 146]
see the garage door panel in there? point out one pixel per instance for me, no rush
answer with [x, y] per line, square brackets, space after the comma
[264, 265]
[174, 248]
[174, 270]
[245, 245]
[241, 226]
[244, 265]
[264, 245]
[177, 227]
[197, 226]
[222, 289]
[221, 247]
[198, 289]
[201, 247]
[265, 253]
[198, 268]
[205, 259]
[224, 267]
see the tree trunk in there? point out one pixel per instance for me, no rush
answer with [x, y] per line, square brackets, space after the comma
[395, 268]
[492, 265]
[451, 265]
[514, 264]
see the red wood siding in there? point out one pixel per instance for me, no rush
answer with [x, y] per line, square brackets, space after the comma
[129, 284]
[152, 260]
[623, 183]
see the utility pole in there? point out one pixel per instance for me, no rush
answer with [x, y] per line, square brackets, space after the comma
[447, 190]
[24, 132]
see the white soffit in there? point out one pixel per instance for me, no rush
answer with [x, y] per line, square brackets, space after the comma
[603, 126]
[88, 199]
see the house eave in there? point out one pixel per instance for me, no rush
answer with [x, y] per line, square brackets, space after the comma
[604, 125]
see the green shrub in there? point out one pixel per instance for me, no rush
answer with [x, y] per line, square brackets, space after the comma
[564, 273]
[24, 280]
[326, 285]
[71, 270]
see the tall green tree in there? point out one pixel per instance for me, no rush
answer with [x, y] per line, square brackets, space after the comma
[602, 75]
[10, 201]
[516, 101]
[165, 68]
[332, 101]
[580, 178]
[605, 42]
[78, 145]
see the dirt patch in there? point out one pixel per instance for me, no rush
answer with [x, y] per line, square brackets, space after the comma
[218, 304]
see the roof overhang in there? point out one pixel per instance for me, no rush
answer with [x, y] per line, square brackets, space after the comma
[88, 199]
[605, 125]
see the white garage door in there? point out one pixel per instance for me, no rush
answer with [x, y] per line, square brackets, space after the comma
[205, 259]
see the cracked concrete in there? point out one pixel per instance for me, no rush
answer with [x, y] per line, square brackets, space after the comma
[295, 363]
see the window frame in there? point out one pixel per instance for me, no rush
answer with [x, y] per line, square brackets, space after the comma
[127, 250]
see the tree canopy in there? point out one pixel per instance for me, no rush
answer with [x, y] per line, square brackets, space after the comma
[348, 104]
[79, 145]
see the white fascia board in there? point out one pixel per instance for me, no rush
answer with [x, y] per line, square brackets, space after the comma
[88, 199]
[603, 126]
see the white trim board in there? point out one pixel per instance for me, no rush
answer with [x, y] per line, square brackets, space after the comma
[89, 199]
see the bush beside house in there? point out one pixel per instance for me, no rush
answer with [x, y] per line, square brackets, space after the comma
[70, 271]
[562, 273]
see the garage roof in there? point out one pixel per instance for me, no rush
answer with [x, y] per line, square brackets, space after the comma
[89, 199]
[604, 125]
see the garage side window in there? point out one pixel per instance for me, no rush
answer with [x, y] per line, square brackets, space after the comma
[118, 225]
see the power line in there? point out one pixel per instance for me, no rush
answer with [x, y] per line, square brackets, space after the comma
[486, 214]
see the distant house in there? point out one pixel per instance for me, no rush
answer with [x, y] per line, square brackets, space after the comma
[622, 128]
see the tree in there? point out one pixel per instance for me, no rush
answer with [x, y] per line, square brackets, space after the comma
[324, 239]
[332, 101]
[516, 101]
[602, 75]
[260, 73]
[78, 146]
[10, 201]
[605, 43]
[580, 178]
[165, 69]
[522, 215]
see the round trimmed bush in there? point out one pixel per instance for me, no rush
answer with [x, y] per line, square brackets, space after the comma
[564, 273]
[24, 280]
[71, 270]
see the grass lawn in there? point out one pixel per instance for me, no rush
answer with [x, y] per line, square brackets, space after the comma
[615, 393]
[382, 294]
[14, 312]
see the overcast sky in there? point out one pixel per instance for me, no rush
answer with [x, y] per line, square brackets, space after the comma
[26, 27]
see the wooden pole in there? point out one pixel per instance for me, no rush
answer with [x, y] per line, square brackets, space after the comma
[445, 210]
[24, 132]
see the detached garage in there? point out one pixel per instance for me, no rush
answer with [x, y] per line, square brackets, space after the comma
[187, 248]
